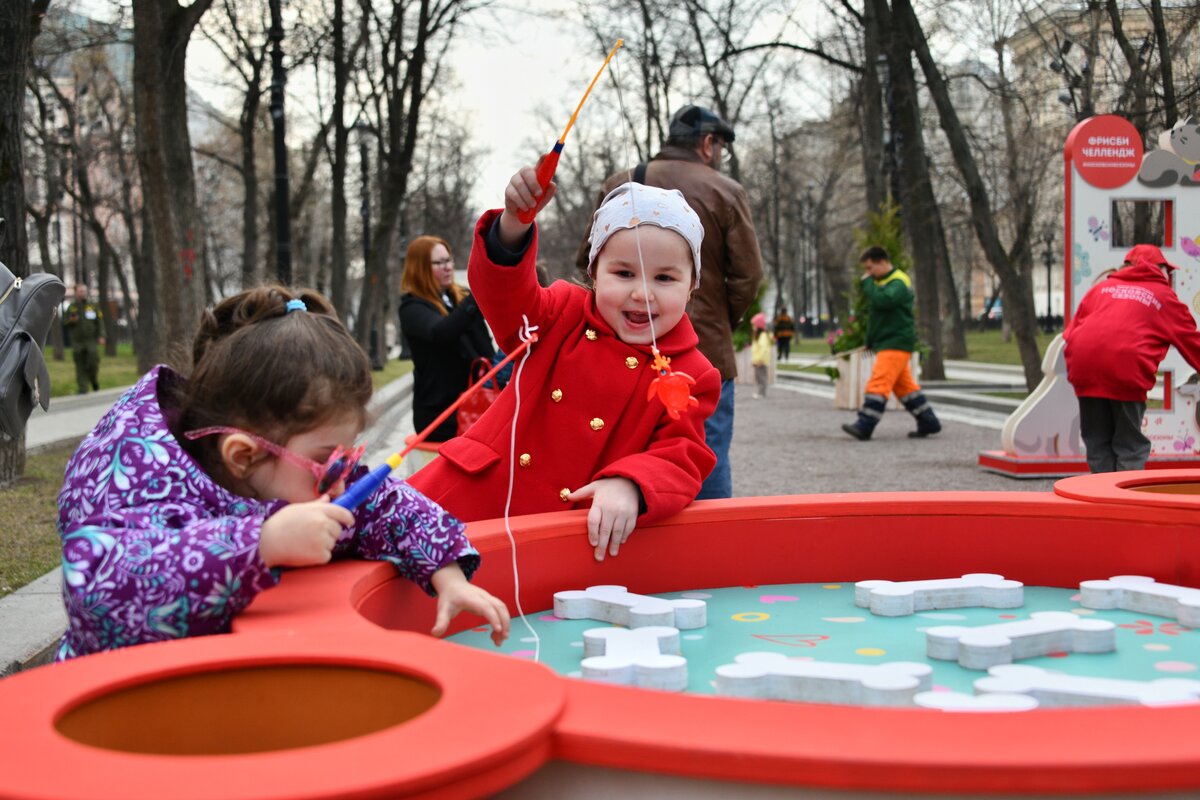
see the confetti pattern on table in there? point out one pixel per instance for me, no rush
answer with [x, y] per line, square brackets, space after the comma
[822, 623]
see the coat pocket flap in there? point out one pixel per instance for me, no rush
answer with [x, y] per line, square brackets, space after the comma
[469, 455]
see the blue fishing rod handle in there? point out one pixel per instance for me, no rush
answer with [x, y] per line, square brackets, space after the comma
[363, 488]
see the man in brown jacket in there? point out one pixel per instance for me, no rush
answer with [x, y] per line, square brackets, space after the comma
[731, 263]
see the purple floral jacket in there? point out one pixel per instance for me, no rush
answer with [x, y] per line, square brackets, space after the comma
[153, 548]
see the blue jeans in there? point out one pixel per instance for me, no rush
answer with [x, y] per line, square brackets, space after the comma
[718, 432]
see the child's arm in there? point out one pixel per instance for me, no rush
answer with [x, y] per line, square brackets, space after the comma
[456, 594]
[613, 515]
[663, 479]
[131, 579]
[502, 270]
[522, 194]
[303, 534]
[426, 545]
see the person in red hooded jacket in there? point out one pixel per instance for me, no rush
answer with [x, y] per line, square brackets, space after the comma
[1114, 343]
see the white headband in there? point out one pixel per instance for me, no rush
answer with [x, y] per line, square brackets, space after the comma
[633, 204]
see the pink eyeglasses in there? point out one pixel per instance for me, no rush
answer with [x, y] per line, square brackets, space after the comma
[341, 461]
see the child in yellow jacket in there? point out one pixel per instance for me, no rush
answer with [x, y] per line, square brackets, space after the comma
[760, 353]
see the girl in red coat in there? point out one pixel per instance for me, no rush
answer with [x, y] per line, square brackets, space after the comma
[1115, 342]
[585, 430]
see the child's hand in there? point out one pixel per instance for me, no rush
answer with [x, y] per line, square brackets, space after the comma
[613, 514]
[303, 534]
[522, 195]
[456, 594]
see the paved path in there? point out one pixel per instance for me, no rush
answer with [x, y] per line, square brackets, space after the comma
[70, 417]
[789, 443]
[792, 443]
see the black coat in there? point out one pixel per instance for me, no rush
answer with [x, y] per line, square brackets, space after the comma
[442, 351]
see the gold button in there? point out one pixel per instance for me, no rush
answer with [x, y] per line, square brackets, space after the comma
[563, 494]
[631, 362]
[525, 460]
[556, 395]
[590, 334]
[596, 423]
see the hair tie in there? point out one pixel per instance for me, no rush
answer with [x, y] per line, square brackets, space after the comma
[296, 305]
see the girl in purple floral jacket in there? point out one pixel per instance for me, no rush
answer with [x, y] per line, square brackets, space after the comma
[189, 492]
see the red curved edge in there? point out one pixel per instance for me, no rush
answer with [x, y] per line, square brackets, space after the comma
[474, 741]
[1121, 488]
[1038, 538]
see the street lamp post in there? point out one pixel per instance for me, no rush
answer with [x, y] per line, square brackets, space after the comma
[812, 238]
[1072, 80]
[802, 316]
[1048, 259]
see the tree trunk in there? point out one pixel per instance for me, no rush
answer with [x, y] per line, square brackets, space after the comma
[871, 112]
[247, 126]
[145, 276]
[1170, 106]
[55, 340]
[1015, 288]
[404, 116]
[920, 211]
[16, 34]
[338, 257]
[160, 36]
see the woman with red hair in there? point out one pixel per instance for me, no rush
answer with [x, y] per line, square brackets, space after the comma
[444, 329]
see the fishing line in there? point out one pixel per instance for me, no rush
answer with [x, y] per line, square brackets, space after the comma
[527, 333]
[637, 234]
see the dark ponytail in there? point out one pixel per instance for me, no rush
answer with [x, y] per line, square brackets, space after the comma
[272, 371]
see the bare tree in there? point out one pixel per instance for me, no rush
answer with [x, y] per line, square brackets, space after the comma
[410, 53]
[162, 29]
[921, 216]
[19, 23]
[240, 36]
[1016, 287]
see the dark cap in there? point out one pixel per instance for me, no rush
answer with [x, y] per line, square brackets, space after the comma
[1148, 252]
[698, 121]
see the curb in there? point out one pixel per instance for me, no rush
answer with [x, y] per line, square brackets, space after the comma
[963, 399]
[32, 619]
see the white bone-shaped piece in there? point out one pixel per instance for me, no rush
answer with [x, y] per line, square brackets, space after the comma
[1143, 594]
[645, 657]
[898, 599]
[1044, 632]
[619, 606]
[960, 701]
[1059, 689]
[774, 676]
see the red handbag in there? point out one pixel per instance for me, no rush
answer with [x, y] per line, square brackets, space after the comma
[474, 406]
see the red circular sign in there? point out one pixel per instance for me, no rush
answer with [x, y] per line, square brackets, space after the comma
[1107, 151]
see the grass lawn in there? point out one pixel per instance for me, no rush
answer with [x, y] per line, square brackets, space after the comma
[392, 369]
[115, 371]
[29, 546]
[986, 346]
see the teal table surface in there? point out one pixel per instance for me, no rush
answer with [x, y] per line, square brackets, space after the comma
[821, 622]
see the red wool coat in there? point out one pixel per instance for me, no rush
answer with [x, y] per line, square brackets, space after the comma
[584, 413]
[1120, 334]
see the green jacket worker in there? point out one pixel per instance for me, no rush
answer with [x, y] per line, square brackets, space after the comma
[85, 323]
[892, 335]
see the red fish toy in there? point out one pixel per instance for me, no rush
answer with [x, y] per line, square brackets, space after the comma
[672, 388]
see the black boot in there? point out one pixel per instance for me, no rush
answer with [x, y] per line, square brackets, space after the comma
[927, 421]
[868, 417]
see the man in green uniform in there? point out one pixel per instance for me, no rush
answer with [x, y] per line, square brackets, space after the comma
[85, 323]
[892, 334]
